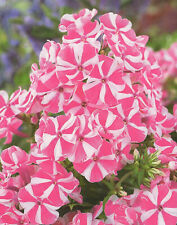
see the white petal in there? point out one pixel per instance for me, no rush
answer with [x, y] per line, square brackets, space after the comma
[102, 93]
[38, 180]
[58, 150]
[146, 215]
[171, 211]
[38, 215]
[161, 219]
[89, 150]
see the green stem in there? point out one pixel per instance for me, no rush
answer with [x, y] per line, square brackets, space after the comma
[123, 178]
[108, 184]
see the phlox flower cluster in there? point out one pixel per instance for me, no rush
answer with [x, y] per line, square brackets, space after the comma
[94, 101]
[167, 61]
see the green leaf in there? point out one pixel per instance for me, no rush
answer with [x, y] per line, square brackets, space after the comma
[20, 142]
[17, 20]
[65, 10]
[140, 177]
[22, 76]
[56, 114]
[158, 42]
[23, 6]
[15, 175]
[44, 33]
[2, 140]
[136, 171]
[3, 41]
[46, 10]
[174, 136]
[87, 4]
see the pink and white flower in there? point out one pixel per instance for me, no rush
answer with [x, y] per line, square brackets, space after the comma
[102, 163]
[110, 126]
[78, 103]
[68, 20]
[88, 32]
[87, 142]
[58, 136]
[105, 81]
[13, 159]
[159, 206]
[134, 129]
[6, 200]
[76, 61]
[38, 209]
[54, 185]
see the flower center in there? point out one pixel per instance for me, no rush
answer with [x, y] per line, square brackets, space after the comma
[54, 181]
[117, 152]
[81, 138]
[125, 121]
[95, 158]
[84, 104]
[59, 134]
[60, 89]
[160, 208]
[103, 80]
[21, 221]
[83, 38]
[38, 202]
[80, 68]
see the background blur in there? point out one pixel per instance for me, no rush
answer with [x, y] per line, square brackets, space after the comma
[25, 25]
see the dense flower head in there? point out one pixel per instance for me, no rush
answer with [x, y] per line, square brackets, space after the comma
[99, 127]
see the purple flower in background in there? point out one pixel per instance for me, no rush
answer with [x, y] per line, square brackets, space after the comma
[111, 5]
[140, 5]
[5, 15]
[36, 15]
[9, 60]
[107, 5]
[9, 63]
[56, 4]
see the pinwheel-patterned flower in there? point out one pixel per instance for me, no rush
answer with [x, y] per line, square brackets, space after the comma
[85, 219]
[38, 209]
[87, 142]
[69, 20]
[105, 81]
[58, 136]
[118, 212]
[118, 29]
[87, 32]
[110, 126]
[133, 127]
[76, 61]
[159, 206]
[13, 158]
[49, 53]
[122, 40]
[54, 185]
[8, 127]
[102, 163]
[6, 200]
[79, 104]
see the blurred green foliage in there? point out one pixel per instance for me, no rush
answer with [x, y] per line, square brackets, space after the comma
[162, 41]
